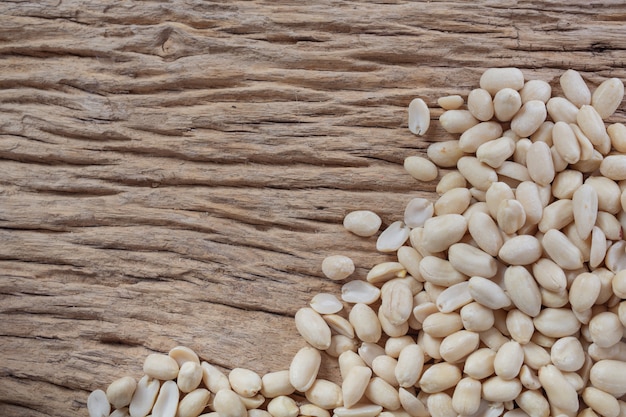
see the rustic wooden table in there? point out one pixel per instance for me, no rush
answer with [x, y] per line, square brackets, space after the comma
[175, 172]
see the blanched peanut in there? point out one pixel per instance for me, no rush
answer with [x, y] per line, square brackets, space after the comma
[556, 322]
[480, 104]
[506, 104]
[466, 397]
[442, 231]
[476, 317]
[495, 79]
[520, 250]
[560, 393]
[324, 394]
[528, 119]
[420, 168]
[609, 376]
[509, 360]
[458, 345]
[450, 102]
[457, 121]
[608, 96]
[536, 90]
[496, 389]
[605, 329]
[445, 154]
[520, 326]
[567, 354]
[522, 290]
[381, 393]
[495, 152]
[354, 384]
[419, 117]
[439, 377]
[476, 173]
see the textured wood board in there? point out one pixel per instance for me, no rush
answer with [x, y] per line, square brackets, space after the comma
[174, 172]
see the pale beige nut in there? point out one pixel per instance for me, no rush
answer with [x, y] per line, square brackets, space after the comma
[610, 225]
[313, 328]
[536, 356]
[397, 302]
[601, 402]
[533, 403]
[365, 322]
[520, 326]
[213, 378]
[556, 322]
[411, 404]
[470, 260]
[529, 118]
[439, 377]
[283, 406]
[419, 117]
[166, 403]
[384, 366]
[442, 231]
[480, 104]
[369, 351]
[120, 392]
[466, 397]
[445, 154]
[529, 379]
[488, 293]
[615, 259]
[450, 180]
[567, 354]
[496, 193]
[182, 354]
[275, 384]
[362, 222]
[614, 167]
[586, 147]
[228, 404]
[485, 233]
[521, 149]
[605, 329]
[365, 410]
[495, 152]
[508, 360]
[194, 402]
[144, 396]
[618, 284]
[493, 338]
[590, 165]
[560, 393]
[496, 389]
[557, 215]
[457, 346]
[454, 201]
[451, 102]
[566, 183]
[457, 121]
[347, 360]
[510, 216]
[339, 325]
[495, 79]
[617, 133]
[394, 345]
[393, 237]
[98, 404]
[584, 291]
[557, 160]
[410, 365]
[522, 289]
[477, 135]
[337, 267]
[609, 376]
[120, 412]
[325, 394]
[189, 376]
[442, 324]
[391, 329]
[410, 258]
[304, 368]
[159, 366]
[244, 382]
[561, 109]
[479, 364]
[326, 303]
[454, 297]
[566, 143]
[476, 317]
[608, 96]
[354, 384]
[536, 90]
[313, 410]
[592, 125]
[359, 292]
[476, 173]
[420, 168]
[574, 88]
[549, 275]
[543, 134]
[561, 250]
[512, 172]
[540, 164]
[440, 404]
[506, 103]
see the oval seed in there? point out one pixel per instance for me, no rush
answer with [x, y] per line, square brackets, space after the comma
[454, 201]
[365, 410]
[522, 290]
[584, 291]
[608, 96]
[313, 328]
[439, 377]
[536, 90]
[485, 233]
[509, 360]
[393, 237]
[166, 403]
[476, 317]
[495, 152]
[228, 404]
[585, 209]
[325, 394]
[120, 392]
[445, 154]
[419, 117]
[614, 167]
[488, 293]
[325, 303]
[159, 366]
[549, 275]
[496, 194]
[617, 133]
[454, 297]
[511, 216]
[354, 385]
[533, 403]
[337, 267]
[442, 231]
[458, 345]
[304, 368]
[442, 324]
[590, 122]
[520, 326]
[382, 393]
[313, 411]
[574, 88]
[283, 406]
[144, 396]
[479, 364]
[561, 109]
[194, 402]
[397, 304]
[385, 367]
[244, 382]
[566, 143]
[605, 329]
[450, 102]
[182, 354]
[359, 292]
[601, 402]
[457, 121]
[362, 222]
[562, 250]
[476, 173]
[496, 389]
[539, 163]
[506, 103]
[557, 215]
[410, 365]
[528, 119]
[98, 405]
[560, 393]
[213, 378]
[609, 376]
[452, 179]
[567, 354]
[466, 396]
[479, 103]
[566, 183]
[420, 168]
[556, 322]
[189, 376]
[475, 136]
[275, 384]
[417, 211]
[471, 261]
[495, 79]
[365, 323]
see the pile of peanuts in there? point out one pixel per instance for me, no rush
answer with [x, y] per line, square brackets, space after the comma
[505, 296]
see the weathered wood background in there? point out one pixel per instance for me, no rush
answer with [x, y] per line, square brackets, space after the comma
[175, 172]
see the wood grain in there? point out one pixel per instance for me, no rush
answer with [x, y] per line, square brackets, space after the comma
[174, 172]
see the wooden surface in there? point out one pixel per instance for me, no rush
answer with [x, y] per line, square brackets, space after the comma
[175, 172]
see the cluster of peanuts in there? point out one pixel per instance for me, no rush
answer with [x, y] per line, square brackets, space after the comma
[505, 296]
